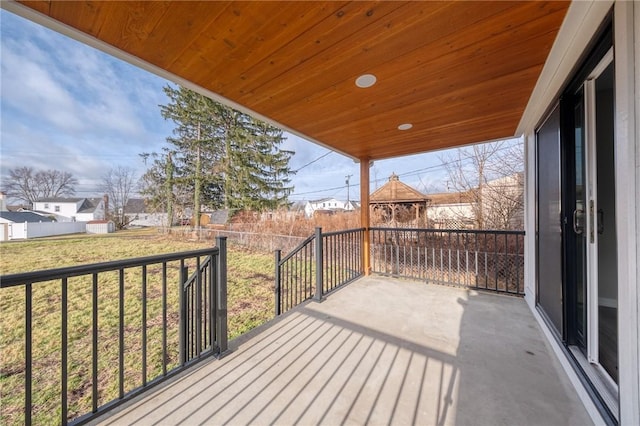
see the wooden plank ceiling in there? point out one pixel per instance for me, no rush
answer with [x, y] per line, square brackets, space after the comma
[459, 72]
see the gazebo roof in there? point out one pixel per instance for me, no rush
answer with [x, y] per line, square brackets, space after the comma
[395, 191]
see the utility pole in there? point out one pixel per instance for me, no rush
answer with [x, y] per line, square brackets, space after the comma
[347, 177]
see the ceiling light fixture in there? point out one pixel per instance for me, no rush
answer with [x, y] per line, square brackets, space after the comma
[366, 80]
[405, 126]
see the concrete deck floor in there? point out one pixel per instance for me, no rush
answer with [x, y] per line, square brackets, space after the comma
[378, 351]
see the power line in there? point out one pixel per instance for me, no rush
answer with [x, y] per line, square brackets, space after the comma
[405, 174]
[322, 190]
[313, 161]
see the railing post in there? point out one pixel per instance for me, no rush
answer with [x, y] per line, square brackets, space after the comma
[182, 326]
[277, 282]
[319, 264]
[221, 291]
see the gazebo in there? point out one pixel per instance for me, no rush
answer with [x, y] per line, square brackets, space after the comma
[398, 202]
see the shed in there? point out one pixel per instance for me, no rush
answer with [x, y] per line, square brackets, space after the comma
[101, 227]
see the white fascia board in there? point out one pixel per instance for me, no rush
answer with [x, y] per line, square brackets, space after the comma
[578, 28]
[57, 26]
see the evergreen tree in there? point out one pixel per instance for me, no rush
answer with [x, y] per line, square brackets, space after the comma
[221, 156]
[196, 146]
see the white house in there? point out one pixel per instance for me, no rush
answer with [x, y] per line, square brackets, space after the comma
[73, 209]
[502, 206]
[503, 202]
[328, 205]
[450, 210]
[138, 214]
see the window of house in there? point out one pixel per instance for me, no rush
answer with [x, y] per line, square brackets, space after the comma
[46, 205]
[57, 208]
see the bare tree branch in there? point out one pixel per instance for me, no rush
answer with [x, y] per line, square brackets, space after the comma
[118, 183]
[28, 185]
[491, 176]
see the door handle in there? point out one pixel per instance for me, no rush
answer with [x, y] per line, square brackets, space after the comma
[600, 221]
[578, 227]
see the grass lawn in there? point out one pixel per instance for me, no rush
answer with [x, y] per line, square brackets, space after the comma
[250, 303]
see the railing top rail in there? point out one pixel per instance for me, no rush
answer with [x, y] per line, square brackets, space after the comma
[346, 231]
[296, 249]
[451, 231]
[12, 280]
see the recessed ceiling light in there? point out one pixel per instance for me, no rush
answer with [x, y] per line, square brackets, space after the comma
[405, 126]
[366, 80]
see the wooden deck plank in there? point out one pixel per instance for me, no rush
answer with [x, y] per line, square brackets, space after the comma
[378, 351]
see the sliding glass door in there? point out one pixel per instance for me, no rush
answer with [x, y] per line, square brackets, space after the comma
[576, 225]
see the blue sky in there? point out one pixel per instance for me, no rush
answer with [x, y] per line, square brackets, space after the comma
[67, 106]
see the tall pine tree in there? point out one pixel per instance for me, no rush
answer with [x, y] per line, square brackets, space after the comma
[196, 145]
[221, 156]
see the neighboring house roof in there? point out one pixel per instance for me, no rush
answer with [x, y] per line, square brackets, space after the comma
[17, 208]
[322, 200]
[354, 204]
[298, 205]
[135, 206]
[450, 198]
[89, 205]
[20, 217]
[59, 200]
[395, 191]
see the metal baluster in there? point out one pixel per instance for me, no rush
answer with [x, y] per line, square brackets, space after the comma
[277, 282]
[28, 352]
[94, 344]
[144, 325]
[121, 336]
[64, 348]
[183, 314]
[164, 318]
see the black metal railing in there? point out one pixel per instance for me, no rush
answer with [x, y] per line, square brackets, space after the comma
[342, 258]
[320, 264]
[488, 260]
[147, 317]
[295, 276]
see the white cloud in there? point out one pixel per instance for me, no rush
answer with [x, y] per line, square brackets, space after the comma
[29, 88]
[67, 106]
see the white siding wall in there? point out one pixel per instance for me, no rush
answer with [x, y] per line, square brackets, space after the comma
[329, 204]
[453, 216]
[87, 217]
[66, 210]
[101, 228]
[21, 231]
[147, 219]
